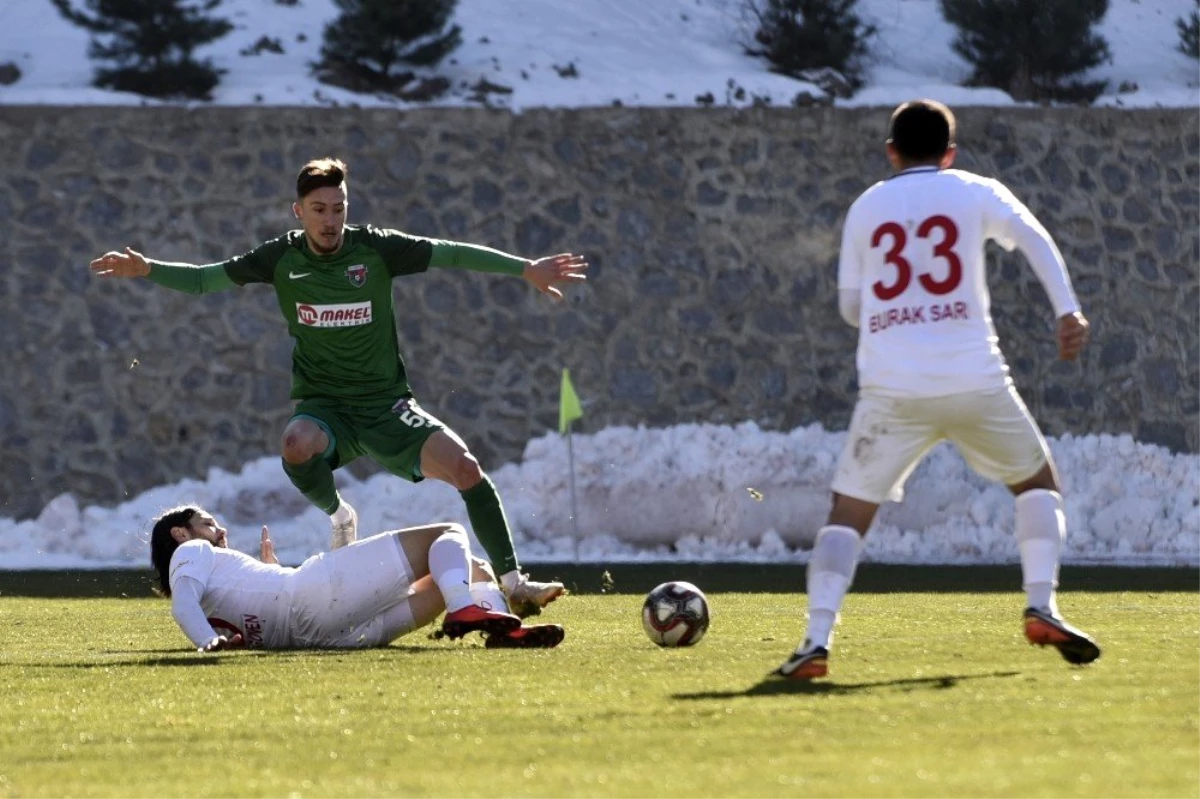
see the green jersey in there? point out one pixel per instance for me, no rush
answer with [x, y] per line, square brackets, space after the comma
[339, 308]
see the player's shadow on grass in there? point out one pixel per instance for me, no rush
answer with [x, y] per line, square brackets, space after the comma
[165, 660]
[178, 657]
[186, 658]
[774, 686]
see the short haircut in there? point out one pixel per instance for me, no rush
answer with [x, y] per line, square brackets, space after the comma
[320, 173]
[922, 130]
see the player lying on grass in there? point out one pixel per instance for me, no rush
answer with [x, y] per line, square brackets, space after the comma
[911, 278]
[363, 595]
[333, 282]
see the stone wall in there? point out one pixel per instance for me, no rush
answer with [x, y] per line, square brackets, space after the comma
[712, 235]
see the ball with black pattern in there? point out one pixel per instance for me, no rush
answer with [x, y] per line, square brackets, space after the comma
[675, 614]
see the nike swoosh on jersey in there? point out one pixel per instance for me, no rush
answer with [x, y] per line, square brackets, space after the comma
[298, 275]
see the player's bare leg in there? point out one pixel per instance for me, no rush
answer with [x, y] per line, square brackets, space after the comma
[1041, 530]
[445, 457]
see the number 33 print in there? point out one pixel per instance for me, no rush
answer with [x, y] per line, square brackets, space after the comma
[944, 250]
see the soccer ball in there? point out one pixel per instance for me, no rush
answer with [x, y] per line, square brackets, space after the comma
[675, 614]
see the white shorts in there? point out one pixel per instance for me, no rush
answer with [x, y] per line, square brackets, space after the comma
[888, 436]
[356, 596]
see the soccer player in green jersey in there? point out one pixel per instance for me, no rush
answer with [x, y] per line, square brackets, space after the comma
[333, 282]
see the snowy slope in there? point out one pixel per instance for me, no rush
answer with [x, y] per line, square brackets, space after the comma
[638, 53]
[1127, 502]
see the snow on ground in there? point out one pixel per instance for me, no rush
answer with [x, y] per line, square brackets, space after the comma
[638, 53]
[682, 492]
[685, 493]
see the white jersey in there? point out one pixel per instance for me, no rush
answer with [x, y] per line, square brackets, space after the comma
[238, 593]
[913, 250]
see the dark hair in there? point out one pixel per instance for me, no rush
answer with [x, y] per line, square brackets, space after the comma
[922, 130]
[320, 173]
[163, 544]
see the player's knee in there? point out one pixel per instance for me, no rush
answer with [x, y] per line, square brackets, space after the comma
[482, 571]
[302, 440]
[451, 530]
[467, 472]
[854, 513]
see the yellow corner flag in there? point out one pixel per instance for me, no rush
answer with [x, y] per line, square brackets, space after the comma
[569, 408]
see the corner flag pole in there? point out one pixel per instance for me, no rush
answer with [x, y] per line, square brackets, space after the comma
[574, 506]
[569, 410]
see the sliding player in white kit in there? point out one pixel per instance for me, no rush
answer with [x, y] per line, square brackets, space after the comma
[911, 278]
[366, 594]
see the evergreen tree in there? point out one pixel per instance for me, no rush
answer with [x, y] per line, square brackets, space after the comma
[372, 43]
[151, 44]
[799, 35]
[1029, 48]
[1189, 33]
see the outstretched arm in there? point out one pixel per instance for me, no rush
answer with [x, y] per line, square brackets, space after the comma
[129, 263]
[544, 274]
[405, 254]
[547, 273]
[190, 278]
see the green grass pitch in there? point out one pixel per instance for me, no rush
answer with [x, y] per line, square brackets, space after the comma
[929, 695]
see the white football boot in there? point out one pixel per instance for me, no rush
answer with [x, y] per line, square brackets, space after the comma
[528, 597]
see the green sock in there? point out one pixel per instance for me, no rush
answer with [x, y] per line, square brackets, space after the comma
[490, 525]
[314, 478]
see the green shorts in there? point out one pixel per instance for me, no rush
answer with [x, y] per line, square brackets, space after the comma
[390, 433]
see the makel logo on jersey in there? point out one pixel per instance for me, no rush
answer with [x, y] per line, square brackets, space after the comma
[346, 314]
[357, 275]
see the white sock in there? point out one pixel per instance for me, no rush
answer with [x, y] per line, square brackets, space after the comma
[488, 595]
[830, 572]
[342, 514]
[450, 565]
[1041, 530]
[511, 580]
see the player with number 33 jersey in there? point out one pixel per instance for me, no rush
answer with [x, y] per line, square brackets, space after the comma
[911, 279]
[912, 259]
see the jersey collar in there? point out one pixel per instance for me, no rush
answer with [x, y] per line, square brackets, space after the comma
[916, 170]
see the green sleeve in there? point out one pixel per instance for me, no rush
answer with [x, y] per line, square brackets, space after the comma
[190, 278]
[405, 254]
[457, 255]
[256, 266]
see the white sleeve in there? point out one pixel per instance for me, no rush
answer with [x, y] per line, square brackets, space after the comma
[185, 607]
[850, 305]
[849, 258]
[1010, 224]
[850, 271]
